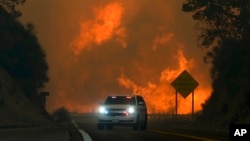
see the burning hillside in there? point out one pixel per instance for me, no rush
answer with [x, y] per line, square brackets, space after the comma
[116, 46]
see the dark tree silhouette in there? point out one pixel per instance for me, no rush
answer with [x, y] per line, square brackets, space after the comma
[10, 6]
[20, 52]
[224, 27]
[219, 19]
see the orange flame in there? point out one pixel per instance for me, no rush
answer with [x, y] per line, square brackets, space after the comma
[161, 97]
[163, 39]
[105, 25]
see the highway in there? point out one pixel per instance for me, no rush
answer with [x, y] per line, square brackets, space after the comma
[165, 129]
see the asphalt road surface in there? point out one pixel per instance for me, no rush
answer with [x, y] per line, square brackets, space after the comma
[158, 130]
[34, 134]
[51, 133]
[85, 125]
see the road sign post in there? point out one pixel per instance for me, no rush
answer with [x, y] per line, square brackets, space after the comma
[185, 84]
[192, 104]
[176, 102]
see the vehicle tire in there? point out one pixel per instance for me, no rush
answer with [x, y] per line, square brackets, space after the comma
[109, 127]
[143, 126]
[100, 126]
[136, 125]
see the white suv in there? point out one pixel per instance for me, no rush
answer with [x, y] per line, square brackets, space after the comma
[129, 110]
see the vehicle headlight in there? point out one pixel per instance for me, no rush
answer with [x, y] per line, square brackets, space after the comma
[131, 110]
[103, 110]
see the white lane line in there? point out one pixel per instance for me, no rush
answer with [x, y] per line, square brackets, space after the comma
[74, 123]
[85, 135]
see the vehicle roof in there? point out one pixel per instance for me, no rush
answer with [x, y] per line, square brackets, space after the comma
[124, 95]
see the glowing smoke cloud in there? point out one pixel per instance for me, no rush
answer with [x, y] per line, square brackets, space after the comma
[106, 24]
[99, 47]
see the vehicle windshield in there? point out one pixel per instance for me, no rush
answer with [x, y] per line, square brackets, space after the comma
[120, 100]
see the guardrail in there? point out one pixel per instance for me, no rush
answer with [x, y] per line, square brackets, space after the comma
[161, 116]
[154, 116]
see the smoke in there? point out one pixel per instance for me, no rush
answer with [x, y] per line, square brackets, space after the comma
[101, 47]
[105, 25]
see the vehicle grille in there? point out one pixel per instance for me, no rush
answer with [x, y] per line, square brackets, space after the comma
[116, 114]
[111, 109]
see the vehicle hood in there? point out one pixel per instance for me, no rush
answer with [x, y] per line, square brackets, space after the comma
[118, 106]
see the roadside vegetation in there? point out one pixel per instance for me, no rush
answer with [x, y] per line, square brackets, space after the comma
[223, 29]
[61, 115]
[23, 70]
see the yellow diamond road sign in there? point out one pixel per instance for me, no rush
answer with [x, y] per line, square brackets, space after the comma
[184, 84]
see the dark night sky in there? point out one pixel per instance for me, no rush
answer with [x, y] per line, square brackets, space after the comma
[99, 47]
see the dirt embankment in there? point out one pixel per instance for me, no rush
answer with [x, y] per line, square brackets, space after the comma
[15, 108]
